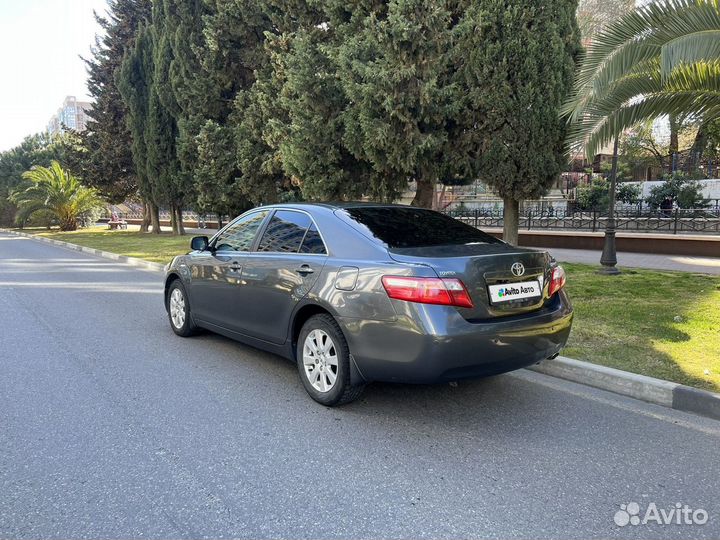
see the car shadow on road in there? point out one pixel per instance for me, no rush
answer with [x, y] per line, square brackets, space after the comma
[502, 402]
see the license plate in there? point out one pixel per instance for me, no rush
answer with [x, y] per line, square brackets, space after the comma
[514, 291]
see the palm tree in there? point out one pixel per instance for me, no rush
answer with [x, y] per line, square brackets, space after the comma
[55, 189]
[661, 59]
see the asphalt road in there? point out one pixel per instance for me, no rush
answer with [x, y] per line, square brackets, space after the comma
[113, 427]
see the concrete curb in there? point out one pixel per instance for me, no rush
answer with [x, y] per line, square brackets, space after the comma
[668, 394]
[139, 263]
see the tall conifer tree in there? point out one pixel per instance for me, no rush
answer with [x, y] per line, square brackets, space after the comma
[108, 165]
[513, 63]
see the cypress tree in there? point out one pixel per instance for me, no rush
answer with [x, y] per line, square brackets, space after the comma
[308, 126]
[135, 86]
[238, 62]
[513, 64]
[173, 184]
[108, 164]
[392, 66]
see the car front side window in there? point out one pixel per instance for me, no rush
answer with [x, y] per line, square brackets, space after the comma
[240, 235]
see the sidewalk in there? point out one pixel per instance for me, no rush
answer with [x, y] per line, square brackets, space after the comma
[682, 263]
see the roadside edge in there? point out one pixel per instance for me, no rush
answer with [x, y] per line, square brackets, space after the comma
[140, 263]
[658, 391]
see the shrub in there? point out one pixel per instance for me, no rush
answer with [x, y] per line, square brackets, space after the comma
[678, 188]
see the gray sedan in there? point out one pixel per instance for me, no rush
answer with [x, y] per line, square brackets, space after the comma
[361, 292]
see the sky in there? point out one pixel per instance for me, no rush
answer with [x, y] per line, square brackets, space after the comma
[40, 45]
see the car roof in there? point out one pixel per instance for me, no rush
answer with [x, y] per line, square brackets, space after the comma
[335, 205]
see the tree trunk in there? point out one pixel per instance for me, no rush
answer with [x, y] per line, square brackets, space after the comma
[180, 225]
[674, 142]
[511, 220]
[145, 225]
[424, 193]
[154, 218]
[696, 152]
[220, 221]
[440, 201]
[173, 218]
[68, 223]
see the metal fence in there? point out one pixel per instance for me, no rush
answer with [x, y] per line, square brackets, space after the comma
[543, 215]
[668, 221]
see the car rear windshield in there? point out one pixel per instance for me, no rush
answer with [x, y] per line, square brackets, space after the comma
[399, 227]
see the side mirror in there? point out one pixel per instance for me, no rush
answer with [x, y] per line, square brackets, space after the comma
[199, 243]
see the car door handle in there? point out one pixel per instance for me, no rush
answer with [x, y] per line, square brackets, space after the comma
[304, 269]
[235, 267]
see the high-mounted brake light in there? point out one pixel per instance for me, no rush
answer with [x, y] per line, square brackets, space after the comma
[446, 292]
[557, 281]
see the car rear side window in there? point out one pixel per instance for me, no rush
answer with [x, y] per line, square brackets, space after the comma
[285, 232]
[402, 227]
[312, 243]
[240, 235]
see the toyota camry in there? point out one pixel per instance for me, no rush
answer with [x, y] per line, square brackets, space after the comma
[361, 292]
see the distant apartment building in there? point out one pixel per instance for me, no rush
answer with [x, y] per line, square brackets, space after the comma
[72, 115]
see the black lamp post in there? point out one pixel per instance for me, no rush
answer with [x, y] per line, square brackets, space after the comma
[608, 259]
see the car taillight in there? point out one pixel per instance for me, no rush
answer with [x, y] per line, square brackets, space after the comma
[557, 281]
[446, 292]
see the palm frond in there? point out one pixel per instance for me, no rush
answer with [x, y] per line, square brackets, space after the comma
[701, 46]
[663, 58]
[699, 76]
[55, 189]
[599, 130]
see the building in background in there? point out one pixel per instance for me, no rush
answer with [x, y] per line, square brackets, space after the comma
[72, 115]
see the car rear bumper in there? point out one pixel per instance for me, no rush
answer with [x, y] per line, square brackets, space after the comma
[429, 343]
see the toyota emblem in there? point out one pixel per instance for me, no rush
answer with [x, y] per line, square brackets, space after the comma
[517, 269]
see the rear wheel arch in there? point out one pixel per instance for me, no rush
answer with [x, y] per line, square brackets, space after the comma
[329, 354]
[300, 317]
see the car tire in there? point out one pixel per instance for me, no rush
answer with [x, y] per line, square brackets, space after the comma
[178, 308]
[323, 360]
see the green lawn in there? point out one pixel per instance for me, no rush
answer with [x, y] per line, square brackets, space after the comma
[626, 321]
[159, 248]
[657, 323]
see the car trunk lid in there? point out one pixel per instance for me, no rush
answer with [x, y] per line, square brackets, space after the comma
[502, 280]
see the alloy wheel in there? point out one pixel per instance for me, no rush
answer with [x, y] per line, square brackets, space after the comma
[320, 360]
[177, 308]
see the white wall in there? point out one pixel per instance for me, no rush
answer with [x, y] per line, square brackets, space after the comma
[711, 187]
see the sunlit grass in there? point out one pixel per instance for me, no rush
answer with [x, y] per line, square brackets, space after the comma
[159, 248]
[657, 323]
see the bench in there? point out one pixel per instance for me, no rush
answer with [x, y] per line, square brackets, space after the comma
[115, 225]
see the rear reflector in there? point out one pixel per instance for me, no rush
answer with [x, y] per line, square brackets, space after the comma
[557, 281]
[446, 292]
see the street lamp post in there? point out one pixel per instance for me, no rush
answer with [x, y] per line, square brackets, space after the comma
[608, 259]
